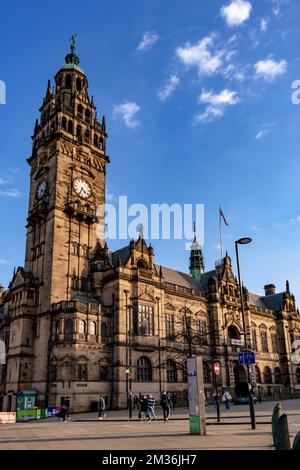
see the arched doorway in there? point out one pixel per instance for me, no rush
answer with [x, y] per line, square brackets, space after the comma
[240, 381]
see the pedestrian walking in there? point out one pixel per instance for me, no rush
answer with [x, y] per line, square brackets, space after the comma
[63, 411]
[166, 404]
[101, 407]
[174, 399]
[226, 398]
[68, 403]
[143, 413]
[150, 410]
[135, 401]
[215, 398]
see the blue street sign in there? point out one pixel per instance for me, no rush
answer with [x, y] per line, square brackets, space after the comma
[241, 358]
[247, 357]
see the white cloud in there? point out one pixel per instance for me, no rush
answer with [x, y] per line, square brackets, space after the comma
[210, 114]
[295, 219]
[149, 38]
[3, 181]
[277, 4]
[261, 134]
[236, 12]
[169, 87]
[201, 56]
[216, 104]
[127, 111]
[263, 24]
[10, 193]
[3, 261]
[269, 68]
[224, 98]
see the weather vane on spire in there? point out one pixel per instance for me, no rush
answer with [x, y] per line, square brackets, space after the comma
[73, 42]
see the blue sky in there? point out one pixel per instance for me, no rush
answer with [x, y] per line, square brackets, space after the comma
[197, 97]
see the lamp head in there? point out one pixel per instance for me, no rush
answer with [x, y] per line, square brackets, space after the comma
[244, 241]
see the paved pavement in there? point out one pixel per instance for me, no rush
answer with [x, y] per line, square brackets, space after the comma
[86, 432]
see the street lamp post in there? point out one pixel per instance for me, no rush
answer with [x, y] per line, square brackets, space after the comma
[159, 346]
[245, 241]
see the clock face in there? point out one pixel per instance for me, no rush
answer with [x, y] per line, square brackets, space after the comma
[41, 190]
[82, 188]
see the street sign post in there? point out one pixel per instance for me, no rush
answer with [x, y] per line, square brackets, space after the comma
[246, 357]
[217, 368]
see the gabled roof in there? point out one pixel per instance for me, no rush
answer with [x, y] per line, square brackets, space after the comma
[274, 301]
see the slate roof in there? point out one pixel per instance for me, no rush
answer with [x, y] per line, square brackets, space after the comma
[86, 299]
[123, 253]
[179, 278]
[272, 302]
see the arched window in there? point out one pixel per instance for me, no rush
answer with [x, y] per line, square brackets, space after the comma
[264, 339]
[57, 327]
[104, 330]
[70, 127]
[68, 81]
[93, 328]
[171, 371]
[69, 327]
[277, 374]
[80, 109]
[87, 114]
[87, 134]
[206, 373]
[233, 332]
[144, 370]
[101, 143]
[82, 326]
[53, 371]
[64, 123]
[96, 140]
[298, 375]
[82, 372]
[257, 375]
[268, 375]
[78, 84]
[78, 131]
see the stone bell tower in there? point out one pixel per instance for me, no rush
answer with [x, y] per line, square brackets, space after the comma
[67, 187]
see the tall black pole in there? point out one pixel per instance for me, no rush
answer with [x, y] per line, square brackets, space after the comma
[130, 361]
[126, 341]
[251, 403]
[159, 350]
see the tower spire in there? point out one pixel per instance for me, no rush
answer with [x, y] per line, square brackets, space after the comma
[72, 58]
[196, 258]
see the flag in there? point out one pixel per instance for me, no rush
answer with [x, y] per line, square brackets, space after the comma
[223, 216]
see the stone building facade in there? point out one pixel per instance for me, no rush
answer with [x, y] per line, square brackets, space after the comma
[79, 319]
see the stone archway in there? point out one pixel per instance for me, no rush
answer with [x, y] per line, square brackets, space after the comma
[240, 381]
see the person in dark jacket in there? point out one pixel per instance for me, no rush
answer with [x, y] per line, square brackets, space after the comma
[174, 399]
[166, 404]
[63, 411]
[101, 407]
[144, 409]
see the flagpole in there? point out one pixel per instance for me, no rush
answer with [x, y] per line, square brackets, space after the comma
[221, 241]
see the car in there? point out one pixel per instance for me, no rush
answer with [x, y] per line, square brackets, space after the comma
[240, 400]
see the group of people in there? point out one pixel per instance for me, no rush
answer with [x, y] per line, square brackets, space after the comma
[225, 398]
[146, 406]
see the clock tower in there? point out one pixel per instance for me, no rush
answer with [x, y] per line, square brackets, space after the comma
[67, 187]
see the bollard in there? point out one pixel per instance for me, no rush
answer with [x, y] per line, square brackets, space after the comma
[281, 434]
[296, 444]
[276, 413]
